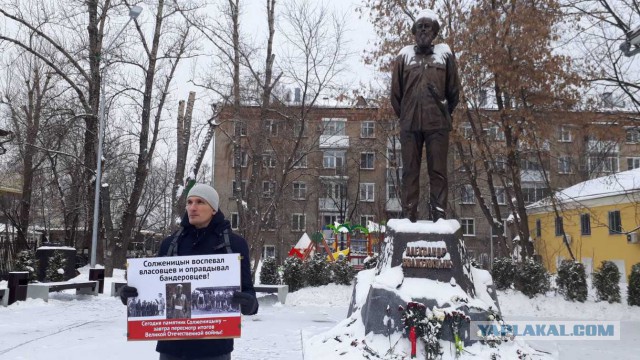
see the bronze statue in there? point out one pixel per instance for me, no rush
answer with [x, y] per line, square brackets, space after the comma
[424, 92]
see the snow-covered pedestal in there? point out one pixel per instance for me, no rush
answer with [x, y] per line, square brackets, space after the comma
[421, 263]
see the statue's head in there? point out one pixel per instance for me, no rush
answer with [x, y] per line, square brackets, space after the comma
[425, 28]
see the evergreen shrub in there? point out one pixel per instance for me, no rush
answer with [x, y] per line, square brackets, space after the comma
[503, 272]
[269, 272]
[532, 278]
[633, 287]
[293, 274]
[572, 280]
[607, 282]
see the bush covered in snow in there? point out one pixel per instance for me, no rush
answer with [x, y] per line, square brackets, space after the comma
[343, 272]
[293, 273]
[317, 271]
[269, 272]
[606, 282]
[55, 267]
[633, 289]
[572, 280]
[503, 272]
[26, 261]
[532, 278]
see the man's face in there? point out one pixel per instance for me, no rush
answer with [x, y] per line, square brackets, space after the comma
[425, 32]
[199, 212]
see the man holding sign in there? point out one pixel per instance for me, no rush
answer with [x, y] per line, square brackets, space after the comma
[204, 231]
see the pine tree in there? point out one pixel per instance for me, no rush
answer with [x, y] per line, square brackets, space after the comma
[532, 278]
[503, 272]
[26, 262]
[607, 282]
[55, 267]
[572, 281]
[633, 289]
[269, 272]
[343, 272]
[293, 274]
[317, 271]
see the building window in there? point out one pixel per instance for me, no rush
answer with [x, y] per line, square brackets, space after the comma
[633, 163]
[466, 195]
[367, 129]
[334, 190]
[333, 159]
[298, 222]
[533, 192]
[501, 195]
[235, 221]
[301, 161]
[538, 228]
[495, 133]
[564, 135]
[240, 128]
[467, 131]
[268, 189]
[504, 229]
[329, 219]
[269, 159]
[585, 224]
[468, 227]
[633, 136]
[526, 164]
[299, 190]
[559, 226]
[364, 219]
[244, 159]
[564, 164]
[394, 160]
[367, 160]
[268, 251]
[603, 164]
[366, 192]
[615, 222]
[333, 126]
[500, 163]
[271, 127]
[237, 191]
[393, 183]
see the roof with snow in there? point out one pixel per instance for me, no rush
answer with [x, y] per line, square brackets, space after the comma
[621, 183]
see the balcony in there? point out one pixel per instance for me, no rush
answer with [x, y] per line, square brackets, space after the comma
[334, 142]
[330, 204]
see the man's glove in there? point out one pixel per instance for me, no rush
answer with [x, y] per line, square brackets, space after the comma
[248, 303]
[127, 292]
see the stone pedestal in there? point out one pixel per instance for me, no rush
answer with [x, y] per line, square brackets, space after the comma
[423, 262]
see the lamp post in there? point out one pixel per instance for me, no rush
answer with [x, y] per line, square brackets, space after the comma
[134, 12]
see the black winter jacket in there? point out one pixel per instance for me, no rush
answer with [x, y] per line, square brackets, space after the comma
[194, 241]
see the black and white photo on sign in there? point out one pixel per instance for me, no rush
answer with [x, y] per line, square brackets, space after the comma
[178, 300]
[146, 307]
[214, 300]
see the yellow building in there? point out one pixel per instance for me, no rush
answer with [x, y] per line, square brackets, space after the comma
[600, 217]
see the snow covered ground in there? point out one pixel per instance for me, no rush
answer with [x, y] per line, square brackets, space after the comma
[71, 327]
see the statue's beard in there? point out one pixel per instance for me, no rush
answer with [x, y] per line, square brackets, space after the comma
[424, 40]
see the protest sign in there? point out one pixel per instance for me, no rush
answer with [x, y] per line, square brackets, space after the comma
[184, 297]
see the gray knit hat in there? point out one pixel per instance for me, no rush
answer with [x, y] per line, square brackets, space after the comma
[209, 194]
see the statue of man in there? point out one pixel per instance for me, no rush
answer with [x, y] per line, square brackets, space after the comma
[424, 92]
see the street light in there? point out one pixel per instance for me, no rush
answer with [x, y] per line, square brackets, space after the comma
[134, 12]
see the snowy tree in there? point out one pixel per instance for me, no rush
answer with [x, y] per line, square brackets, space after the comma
[26, 262]
[572, 280]
[503, 272]
[633, 288]
[532, 278]
[317, 270]
[269, 272]
[606, 282]
[293, 274]
[55, 267]
[343, 272]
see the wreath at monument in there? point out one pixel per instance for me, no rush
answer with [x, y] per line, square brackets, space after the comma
[422, 325]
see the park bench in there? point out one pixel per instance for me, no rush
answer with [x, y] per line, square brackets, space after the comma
[281, 290]
[42, 290]
[116, 286]
[4, 297]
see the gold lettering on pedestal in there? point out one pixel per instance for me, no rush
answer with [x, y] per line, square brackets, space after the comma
[426, 257]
